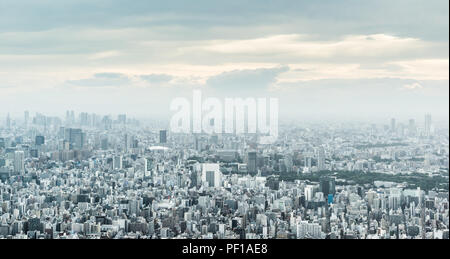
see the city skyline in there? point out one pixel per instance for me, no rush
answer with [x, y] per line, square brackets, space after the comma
[94, 177]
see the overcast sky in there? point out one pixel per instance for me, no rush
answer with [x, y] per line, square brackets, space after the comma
[325, 58]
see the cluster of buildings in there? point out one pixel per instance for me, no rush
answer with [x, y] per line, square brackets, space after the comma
[92, 177]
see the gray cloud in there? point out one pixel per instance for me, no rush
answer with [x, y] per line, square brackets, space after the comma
[102, 80]
[248, 81]
[157, 78]
[419, 18]
[44, 43]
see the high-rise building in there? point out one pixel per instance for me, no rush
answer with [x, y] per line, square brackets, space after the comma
[211, 175]
[70, 117]
[321, 159]
[39, 140]
[163, 136]
[145, 160]
[76, 138]
[84, 119]
[412, 127]
[104, 143]
[117, 162]
[328, 186]
[122, 118]
[309, 192]
[308, 161]
[252, 162]
[393, 125]
[126, 144]
[26, 118]
[8, 122]
[210, 178]
[19, 162]
[427, 125]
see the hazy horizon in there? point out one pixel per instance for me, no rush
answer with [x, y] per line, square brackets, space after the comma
[375, 59]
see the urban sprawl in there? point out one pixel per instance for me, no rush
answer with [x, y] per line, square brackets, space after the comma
[88, 176]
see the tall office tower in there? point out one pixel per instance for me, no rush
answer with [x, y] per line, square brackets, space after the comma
[252, 160]
[126, 142]
[428, 125]
[122, 118]
[68, 122]
[211, 175]
[104, 143]
[76, 138]
[134, 142]
[371, 199]
[393, 126]
[210, 178]
[8, 122]
[328, 186]
[95, 119]
[2, 143]
[412, 127]
[61, 133]
[39, 140]
[145, 160]
[84, 119]
[106, 122]
[308, 161]
[309, 192]
[117, 162]
[163, 136]
[394, 199]
[70, 117]
[288, 163]
[26, 118]
[321, 159]
[19, 162]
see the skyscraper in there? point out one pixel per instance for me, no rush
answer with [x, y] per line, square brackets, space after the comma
[251, 166]
[70, 117]
[39, 140]
[126, 142]
[307, 161]
[412, 127]
[122, 118]
[26, 118]
[309, 192]
[393, 125]
[321, 159]
[117, 162]
[427, 125]
[327, 186]
[8, 122]
[19, 162]
[210, 178]
[163, 136]
[211, 175]
[76, 138]
[145, 161]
